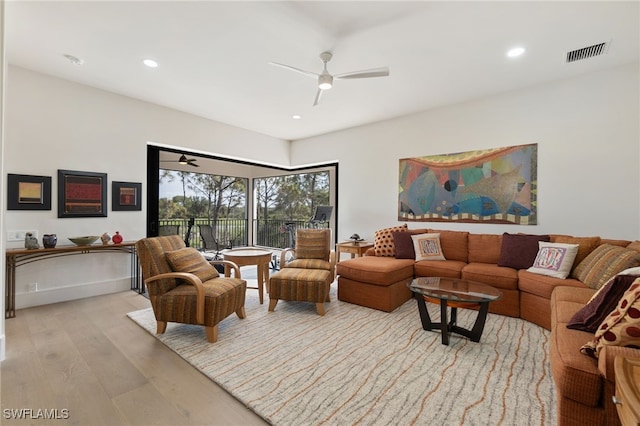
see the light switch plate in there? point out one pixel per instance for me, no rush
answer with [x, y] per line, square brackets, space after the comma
[20, 235]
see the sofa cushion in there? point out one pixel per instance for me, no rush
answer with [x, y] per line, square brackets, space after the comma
[190, 260]
[439, 268]
[455, 244]
[484, 248]
[576, 376]
[603, 263]
[554, 259]
[586, 245]
[492, 274]
[591, 315]
[427, 247]
[383, 240]
[376, 270]
[621, 327]
[518, 251]
[543, 285]
[634, 246]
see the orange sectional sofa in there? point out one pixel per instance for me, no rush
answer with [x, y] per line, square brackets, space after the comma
[584, 384]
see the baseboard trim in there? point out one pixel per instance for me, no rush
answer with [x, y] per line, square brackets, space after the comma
[62, 294]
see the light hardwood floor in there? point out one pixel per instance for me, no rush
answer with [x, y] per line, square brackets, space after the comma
[87, 357]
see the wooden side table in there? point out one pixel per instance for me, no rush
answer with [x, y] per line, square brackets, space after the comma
[627, 398]
[251, 256]
[355, 249]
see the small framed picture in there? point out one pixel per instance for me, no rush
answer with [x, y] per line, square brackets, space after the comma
[126, 196]
[82, 194]
[26, 192]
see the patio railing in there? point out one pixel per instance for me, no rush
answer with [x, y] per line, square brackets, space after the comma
[268, 233]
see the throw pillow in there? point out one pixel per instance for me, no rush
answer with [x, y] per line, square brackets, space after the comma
[404, 245]
[383, 240]
[427, 247]
[518, 251]
[554, 259]
[191, 260]
[603, 263]
[602, 304]
[586, 244]
[621, 327]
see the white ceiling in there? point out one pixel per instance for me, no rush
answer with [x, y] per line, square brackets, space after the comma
[214, 55]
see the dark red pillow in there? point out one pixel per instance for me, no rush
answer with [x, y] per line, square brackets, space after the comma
[593, 314]
[404, 245]
[519, 251]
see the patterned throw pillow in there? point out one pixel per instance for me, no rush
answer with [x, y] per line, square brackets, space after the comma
[191, 260]
[554, 259]
[621, 327]
[383, 240]
[603, 263]
[427, 247]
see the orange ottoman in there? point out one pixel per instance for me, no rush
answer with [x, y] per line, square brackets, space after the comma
[375, 282]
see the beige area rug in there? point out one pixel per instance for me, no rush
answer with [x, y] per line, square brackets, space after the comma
[362, 366]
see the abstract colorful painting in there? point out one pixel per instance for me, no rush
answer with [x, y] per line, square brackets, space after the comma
[496, 185]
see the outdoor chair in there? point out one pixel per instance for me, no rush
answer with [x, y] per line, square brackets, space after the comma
[308, 276]
[185, 288]
[209, 241]
[168, 230]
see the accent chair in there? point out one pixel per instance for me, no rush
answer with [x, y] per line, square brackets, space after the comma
[183, 287]
[308, 277]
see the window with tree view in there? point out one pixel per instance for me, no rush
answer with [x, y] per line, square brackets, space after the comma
[285, 203]
[189, 202]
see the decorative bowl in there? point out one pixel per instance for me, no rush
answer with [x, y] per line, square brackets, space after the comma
[84, 241]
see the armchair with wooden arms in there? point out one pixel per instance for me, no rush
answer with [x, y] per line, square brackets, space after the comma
[183, 287]
[309, 275]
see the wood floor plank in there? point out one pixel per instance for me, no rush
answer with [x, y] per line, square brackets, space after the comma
[88, 357]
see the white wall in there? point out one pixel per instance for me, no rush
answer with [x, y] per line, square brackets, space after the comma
[586, 128]
[55, 124]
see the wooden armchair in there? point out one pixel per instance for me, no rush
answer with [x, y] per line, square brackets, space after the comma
[183, 287]
[309, 275]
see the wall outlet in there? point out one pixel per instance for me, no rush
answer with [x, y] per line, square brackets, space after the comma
[20, 235]
[33, 287]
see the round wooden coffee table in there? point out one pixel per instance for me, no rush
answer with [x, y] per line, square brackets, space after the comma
[251, 256]
[453, 293]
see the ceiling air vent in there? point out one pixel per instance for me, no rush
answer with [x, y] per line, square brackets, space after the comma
[587, 52]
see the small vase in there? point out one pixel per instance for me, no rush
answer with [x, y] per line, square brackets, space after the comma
[49, 240]
[105, 238]
[117, 239]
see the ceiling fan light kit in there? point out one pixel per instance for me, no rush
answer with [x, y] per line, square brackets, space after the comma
[325, 80]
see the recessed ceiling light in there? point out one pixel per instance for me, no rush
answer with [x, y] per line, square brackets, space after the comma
[296, 116]
[150, 63]
[74, 60]
[515, 52]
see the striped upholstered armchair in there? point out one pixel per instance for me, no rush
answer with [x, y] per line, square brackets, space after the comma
[183, 287]
[308, 277]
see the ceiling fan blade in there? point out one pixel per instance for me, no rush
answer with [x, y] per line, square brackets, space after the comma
[288, 67]
[375, 72]
[317, 100]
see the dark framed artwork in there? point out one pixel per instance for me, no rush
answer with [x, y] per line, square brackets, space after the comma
[82, 194]
[126, 196]
[26, 192]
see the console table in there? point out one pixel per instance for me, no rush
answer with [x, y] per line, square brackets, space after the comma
[19, 257]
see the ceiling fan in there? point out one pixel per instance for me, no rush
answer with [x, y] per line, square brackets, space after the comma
[325, 80]
[183, 160]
